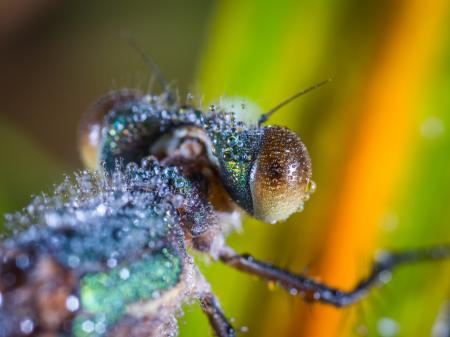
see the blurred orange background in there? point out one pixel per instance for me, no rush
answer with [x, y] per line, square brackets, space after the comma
[378, 135]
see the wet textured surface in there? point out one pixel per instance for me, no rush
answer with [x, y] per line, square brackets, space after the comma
[130, 127]
[281, 181]
[104, 296]
[108, 246]
[126, 211]
[116, 231]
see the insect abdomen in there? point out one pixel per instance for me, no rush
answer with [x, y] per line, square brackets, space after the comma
[89, 252]
[105, 296]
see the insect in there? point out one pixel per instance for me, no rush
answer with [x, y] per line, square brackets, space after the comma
[106, 254]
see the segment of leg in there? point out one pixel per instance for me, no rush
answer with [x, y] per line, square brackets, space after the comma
[217, 319]
[316, 291]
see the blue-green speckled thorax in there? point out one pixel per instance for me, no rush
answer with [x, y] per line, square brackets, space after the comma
[118, 233]
[105, 217]
[105, 296]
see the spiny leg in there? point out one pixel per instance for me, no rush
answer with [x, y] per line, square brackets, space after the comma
[211, 307]
[316, 291]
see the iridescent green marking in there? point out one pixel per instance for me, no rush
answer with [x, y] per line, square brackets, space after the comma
[105, 296]
[236, 152]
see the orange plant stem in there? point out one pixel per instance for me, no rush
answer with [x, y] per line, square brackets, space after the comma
[380, 146]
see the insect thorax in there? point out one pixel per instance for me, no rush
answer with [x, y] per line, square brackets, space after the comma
[126, 126]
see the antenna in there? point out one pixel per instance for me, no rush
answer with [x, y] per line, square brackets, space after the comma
[264, 117]
[151, 64]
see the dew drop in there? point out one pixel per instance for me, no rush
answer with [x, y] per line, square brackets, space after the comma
[88, 326]
[100, 328]
[232, 140]
[27, 326]
[111, 263]
[73, 261]
[22, 261]
[387, 327]
[385, 276]
[72, 303]
[311, 187]
[244, 329]
[101, 209]
[271, 285]
[124, 274]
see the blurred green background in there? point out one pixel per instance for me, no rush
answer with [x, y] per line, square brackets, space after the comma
[378, 135]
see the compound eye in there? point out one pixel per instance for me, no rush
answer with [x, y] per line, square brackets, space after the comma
[280, 180]
[91, 125]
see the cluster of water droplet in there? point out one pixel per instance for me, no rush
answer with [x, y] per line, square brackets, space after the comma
[309, 190]
[132, 126]
[233, 140]
[103, 216]
[101, 221]
[141, 120]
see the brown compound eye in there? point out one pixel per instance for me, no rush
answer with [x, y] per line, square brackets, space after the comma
[280, 180]
[91, 125]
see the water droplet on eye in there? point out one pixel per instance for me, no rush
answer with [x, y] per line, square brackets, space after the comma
[27, 326]
[72, 303]
[311, 187]
[293, 291]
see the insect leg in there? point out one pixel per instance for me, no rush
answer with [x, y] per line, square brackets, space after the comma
[316, 291]
[211, 307]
